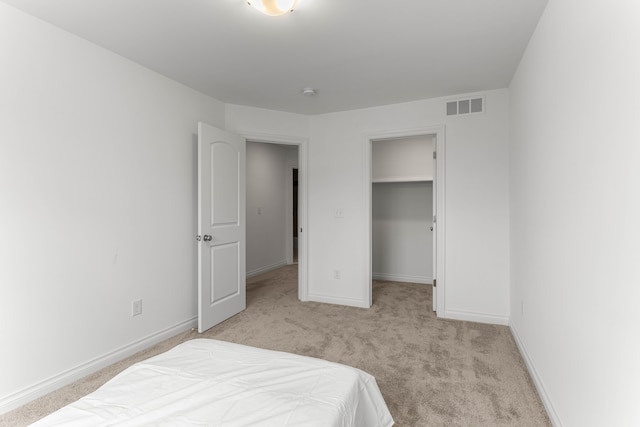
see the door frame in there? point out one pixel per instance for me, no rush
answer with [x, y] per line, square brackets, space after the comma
[303, 241]
[438, 132]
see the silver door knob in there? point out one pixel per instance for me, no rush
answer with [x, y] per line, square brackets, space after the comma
[207, 238]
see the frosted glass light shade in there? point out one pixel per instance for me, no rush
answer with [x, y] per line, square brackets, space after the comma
[273, 7]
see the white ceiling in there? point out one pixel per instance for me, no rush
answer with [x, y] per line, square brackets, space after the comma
[356, 53]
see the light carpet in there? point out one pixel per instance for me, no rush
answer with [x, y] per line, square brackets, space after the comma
[431, 372]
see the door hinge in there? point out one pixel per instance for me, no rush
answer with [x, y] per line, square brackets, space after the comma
[434, 154]
[301, 229]
[434, 283]
[434, 219]
[198, 237]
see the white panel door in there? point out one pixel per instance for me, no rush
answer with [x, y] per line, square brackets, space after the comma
[221, 226]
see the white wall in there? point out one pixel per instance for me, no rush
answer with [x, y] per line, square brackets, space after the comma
[98, 182]
[575, 186]
[476, 203]
[251, 120]
[267, 169]
[402, 242]
[402, 159]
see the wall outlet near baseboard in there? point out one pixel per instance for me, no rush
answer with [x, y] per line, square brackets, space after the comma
[136, 307]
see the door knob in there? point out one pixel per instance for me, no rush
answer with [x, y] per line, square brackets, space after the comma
[207, 238]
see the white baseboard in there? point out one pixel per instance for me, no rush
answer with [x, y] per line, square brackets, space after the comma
[266, 268]
[542, 392]
[402, 278]
[476, 317]
[351, 302]
[27, 394]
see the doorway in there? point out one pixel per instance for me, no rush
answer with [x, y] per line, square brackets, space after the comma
[424, 167]
[294, 199]
[271, 162]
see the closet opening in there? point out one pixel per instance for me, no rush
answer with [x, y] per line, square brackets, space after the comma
[405, 197]
[402, 209]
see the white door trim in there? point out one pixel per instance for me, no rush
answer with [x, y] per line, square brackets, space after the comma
[440, 229]
[303, 240]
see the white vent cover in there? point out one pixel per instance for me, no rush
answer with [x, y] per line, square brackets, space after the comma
[465, 106]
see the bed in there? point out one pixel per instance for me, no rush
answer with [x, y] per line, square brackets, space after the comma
[206, 382]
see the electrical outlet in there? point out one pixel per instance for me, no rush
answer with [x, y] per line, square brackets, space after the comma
[336, 274]
[338, 213]
[136, 307]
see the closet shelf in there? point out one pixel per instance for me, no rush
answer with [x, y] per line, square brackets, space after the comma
[402, 179]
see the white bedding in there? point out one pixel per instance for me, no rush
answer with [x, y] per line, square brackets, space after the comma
[214, 383]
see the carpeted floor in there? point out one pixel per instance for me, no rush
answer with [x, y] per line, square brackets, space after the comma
[431, 372]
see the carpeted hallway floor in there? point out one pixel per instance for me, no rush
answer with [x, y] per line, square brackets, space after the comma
[431, 372]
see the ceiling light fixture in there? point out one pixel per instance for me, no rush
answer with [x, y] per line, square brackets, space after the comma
[273, 7]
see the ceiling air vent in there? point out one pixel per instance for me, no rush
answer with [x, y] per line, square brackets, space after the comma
[465, 106]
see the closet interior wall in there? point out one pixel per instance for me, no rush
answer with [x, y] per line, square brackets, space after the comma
[402, 206]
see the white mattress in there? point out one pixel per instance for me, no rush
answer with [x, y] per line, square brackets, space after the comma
[214, 383]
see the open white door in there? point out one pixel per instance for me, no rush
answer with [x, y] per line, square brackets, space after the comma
[434, 230]
[221, 226]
